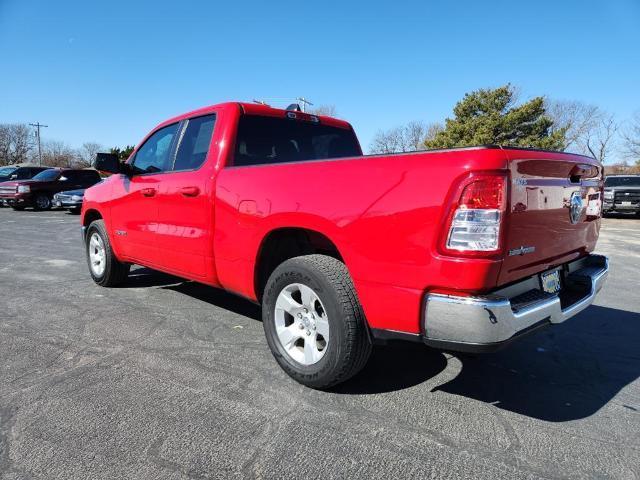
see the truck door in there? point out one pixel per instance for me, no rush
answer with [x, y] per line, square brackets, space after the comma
[134, 210]
[185, 214]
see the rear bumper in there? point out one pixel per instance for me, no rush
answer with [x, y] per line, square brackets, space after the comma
[486, 323]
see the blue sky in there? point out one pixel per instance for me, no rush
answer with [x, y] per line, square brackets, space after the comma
[109, 71]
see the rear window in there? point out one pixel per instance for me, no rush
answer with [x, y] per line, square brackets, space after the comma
[264, 140]
[622, 182]
[6, 171]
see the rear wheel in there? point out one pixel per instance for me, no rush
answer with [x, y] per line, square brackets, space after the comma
[104, 267]
[42, 202]
[313, 321]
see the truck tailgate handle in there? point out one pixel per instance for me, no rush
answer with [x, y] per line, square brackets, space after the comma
[190, 191]
[148, 192]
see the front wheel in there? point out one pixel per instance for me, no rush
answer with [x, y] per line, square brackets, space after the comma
[313, 321]
[104, 267]
[42, 202]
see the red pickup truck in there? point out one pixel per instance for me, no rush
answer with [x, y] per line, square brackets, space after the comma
[463, 249]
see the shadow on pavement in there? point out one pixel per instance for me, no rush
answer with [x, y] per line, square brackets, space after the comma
[143, 277]
[395, 367]
[565, 372]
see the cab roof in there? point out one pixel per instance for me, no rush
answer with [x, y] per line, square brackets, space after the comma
[256, 109]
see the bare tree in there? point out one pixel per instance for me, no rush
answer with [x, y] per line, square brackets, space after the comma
[87, 154]
[58, 154]
[576, 118]
[16, 141]
[600, 140]
[406, 138]
[432, 130]
[326, 110]
[386, 141]
[589, 129]
[631, 139]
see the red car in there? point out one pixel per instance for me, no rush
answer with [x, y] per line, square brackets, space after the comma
[462, 249]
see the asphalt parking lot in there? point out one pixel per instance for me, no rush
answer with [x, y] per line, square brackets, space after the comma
[169, 379]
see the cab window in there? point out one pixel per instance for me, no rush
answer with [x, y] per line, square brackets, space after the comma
[194, 145]
[154, 156]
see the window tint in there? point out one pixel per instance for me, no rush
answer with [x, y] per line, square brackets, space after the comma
[23, 173]
[194, 145]
[622, 182]
[47, 175]
[274, 140]
[154, 155]
[71, 176]
[88, 177]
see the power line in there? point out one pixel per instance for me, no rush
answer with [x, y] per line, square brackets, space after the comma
[38, 126]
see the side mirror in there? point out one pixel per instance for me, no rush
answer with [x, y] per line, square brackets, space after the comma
[108, 162]
[13, 177]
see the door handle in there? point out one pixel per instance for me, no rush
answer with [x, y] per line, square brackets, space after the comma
[148, 192]
[190, 191]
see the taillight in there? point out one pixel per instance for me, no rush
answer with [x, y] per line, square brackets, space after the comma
[477, 218]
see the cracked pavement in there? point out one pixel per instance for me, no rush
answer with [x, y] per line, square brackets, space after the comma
[168, 379]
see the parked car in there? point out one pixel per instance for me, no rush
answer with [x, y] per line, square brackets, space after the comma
[18, 172]
[461, 249]
[622, 194]
[39, 191]
[70, 200]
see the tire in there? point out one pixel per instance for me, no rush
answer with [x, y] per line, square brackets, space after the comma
[335, 309]
[42, 202]
[110, 272]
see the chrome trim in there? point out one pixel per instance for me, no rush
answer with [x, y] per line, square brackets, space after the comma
[490, 319]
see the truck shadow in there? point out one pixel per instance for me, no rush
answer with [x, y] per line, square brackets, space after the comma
[565, 372]
[142, 277]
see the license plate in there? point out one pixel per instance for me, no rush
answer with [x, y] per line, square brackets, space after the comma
[550, 281]
[626, 204]
[58, 204]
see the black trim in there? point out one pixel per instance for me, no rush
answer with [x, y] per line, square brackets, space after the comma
[383, 337]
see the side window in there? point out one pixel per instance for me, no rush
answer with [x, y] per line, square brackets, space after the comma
[154, 156]
[194, 145]
[23, 173]
[71, 176]
[90, 177]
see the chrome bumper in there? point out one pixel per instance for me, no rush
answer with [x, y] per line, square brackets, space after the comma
[487, 322]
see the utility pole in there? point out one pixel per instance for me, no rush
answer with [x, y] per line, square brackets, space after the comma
[38, 126]
[304, 103]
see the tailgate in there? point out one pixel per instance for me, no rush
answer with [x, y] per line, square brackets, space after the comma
[555, 205]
